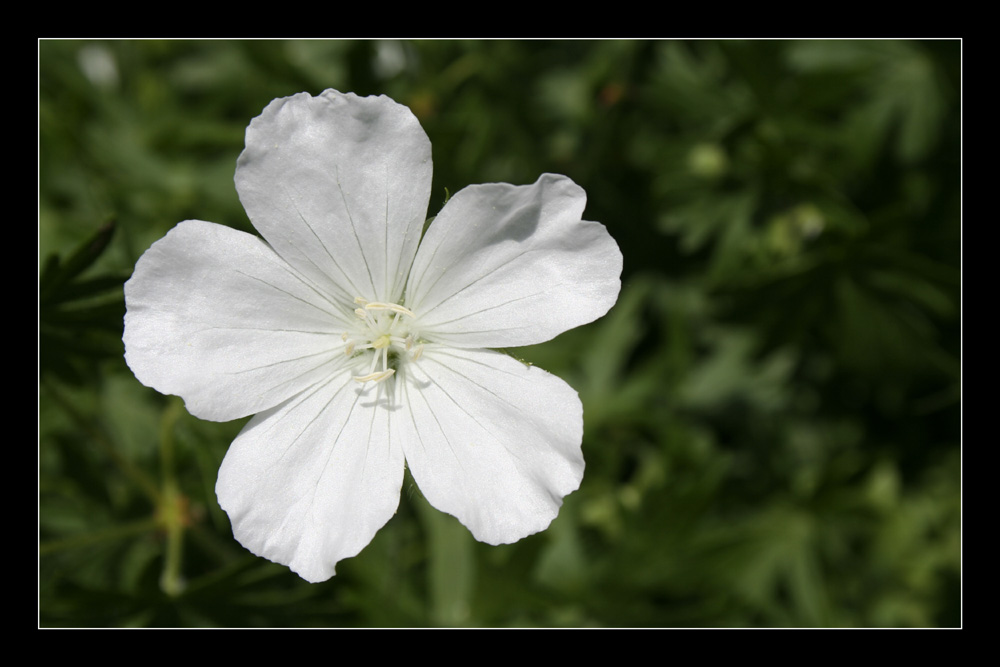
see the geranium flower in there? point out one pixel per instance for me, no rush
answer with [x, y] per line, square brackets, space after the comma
[361, 347]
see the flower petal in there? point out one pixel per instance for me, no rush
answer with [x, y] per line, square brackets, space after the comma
[310, 482]
[490, 440]
[338, 185]
[216, 317]
[504, 266]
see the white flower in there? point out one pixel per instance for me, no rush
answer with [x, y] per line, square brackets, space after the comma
[359, 351]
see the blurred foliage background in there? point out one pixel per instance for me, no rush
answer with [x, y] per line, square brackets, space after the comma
[772, 410]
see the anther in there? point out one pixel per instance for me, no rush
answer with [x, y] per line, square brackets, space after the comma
[396, 308]
[375, 377]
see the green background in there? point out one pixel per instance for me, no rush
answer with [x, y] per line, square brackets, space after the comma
[772, 409]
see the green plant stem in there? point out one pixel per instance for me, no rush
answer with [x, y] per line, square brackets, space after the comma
[451, 569]
[172, 509]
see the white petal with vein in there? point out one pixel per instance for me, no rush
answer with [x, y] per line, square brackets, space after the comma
[216, 317]
[310, 482]
[505, 266]
[338, 185]
[490, 440]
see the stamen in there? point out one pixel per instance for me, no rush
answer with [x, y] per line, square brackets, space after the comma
[381, 333]
[396, 308]
[375, 377]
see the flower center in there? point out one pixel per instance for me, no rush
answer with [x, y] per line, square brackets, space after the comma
[387, 330]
